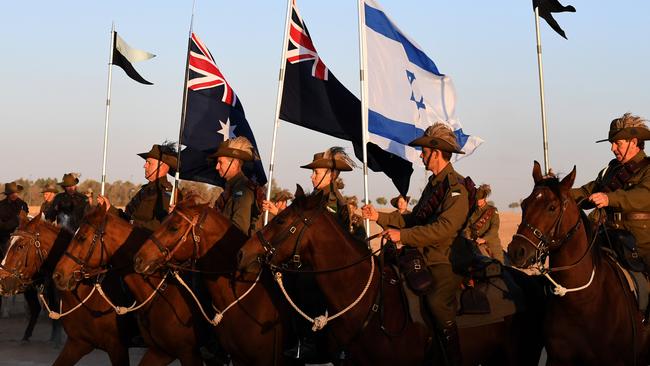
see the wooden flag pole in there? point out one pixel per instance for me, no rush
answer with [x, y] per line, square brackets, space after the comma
[363, 67]
[108, 107]
[278, 104]
[541, 91]
[177, 176]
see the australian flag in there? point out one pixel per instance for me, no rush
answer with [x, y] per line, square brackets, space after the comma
[313, 97]
[213, 114]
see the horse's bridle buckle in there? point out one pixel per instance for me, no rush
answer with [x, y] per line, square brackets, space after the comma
[292, 230]
[538, 233]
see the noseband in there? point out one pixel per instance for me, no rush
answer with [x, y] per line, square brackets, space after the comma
[98, 236]
[195, 226]
[36, 243]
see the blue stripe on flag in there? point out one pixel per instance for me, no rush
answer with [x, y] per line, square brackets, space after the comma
[379, 22]
[461, 137]
[397, 131]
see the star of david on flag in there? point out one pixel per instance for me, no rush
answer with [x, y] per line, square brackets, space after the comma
[214, 113]
[407, 92]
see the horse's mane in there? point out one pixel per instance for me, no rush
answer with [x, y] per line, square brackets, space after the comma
[551, 182]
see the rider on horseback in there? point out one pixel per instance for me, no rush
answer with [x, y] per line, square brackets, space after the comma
[69, 206]
[238, 201]
[483, 225]
[149, 207]
[433, 225]
[623, 187]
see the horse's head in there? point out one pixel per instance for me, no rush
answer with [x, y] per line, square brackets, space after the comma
[549, 219]
[178, 238]
[284, 240]
[28, 248]
[87, 254]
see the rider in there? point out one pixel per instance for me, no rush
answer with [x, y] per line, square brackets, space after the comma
[623, 187]
[401, 204]
[238, 199]
[150, 205]
[435, 222]
[483, 225]
[48, 196]
[69, 206]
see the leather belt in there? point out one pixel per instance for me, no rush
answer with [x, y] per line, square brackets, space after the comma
[629, 216]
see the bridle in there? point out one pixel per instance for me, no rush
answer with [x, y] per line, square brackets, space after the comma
[98, 237]
[270, 246]
[42, 254]
[195, 226]
[544, 242]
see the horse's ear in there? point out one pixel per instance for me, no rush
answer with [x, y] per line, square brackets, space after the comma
[299, 191]
[568, 181]
[537, 172]
[317, 199]
[22, 219]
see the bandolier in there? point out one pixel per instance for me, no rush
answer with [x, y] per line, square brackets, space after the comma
[627, 185]
[483, 226]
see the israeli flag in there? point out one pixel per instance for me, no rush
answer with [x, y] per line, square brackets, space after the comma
[406, 91]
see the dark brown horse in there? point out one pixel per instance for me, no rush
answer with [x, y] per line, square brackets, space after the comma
[34, 252]
[251, 330]
[594, 318]
[167, 322]
[307, 234]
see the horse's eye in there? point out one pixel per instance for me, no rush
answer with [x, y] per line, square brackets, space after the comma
[551, 208]
[173, 229]
[81, 238]
[20, 247]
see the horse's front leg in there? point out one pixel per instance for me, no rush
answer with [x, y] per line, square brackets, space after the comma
[72, 352]
[156, 358]
[119, 355]
[34, 310]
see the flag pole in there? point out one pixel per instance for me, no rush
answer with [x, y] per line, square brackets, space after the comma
[108, 107]
[177, 176]
[363, 66]
[278, 103]
[541, 90]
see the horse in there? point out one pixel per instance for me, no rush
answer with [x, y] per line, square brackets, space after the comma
[35, 249]
[305, 235]
[247, 323]
[594, 318]
[105, 244]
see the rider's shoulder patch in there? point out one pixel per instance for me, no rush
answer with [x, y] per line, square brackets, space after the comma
[238, 194]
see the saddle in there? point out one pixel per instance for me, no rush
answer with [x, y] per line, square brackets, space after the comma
[639, 283]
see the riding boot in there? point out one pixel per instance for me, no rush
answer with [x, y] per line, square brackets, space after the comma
[451, 344]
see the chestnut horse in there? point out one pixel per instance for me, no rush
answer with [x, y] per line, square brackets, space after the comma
[250, 330]
[346, 274]
[106, 243]
[593, 319]
[35, 250]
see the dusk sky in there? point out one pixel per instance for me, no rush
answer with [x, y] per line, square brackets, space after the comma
[54, 73]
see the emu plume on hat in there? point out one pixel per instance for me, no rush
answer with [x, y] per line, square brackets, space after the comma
[239, 148]
[165, 152]
[438, 136]
[627, 127]
[333, 158]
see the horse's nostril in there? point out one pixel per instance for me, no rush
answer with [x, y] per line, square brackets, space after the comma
[137, 260]
[57, 277]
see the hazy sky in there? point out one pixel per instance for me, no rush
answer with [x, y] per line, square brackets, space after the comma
[54, 71]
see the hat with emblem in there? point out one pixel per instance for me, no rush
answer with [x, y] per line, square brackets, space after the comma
[165, 152]
[393, 201]
[333, 158]
[627, 127]
[438, 136]
[12, 187]
[50, 188]
[69, 180]
[239, 148]
[483, 191]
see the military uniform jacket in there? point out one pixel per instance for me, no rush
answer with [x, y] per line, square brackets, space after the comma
[237, 202]
[335, 204]
[67, 209]
[433, 229]
[9, 212]
[633, 199]
[149, 207]
[484, 225]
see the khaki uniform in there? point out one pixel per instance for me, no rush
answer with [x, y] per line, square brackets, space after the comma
[484, 225]
[337, 205]
[237, 202]
[67, 210]
[9, 218]
[149, 207]
[432, 230]
[629, 207]
[44, 207]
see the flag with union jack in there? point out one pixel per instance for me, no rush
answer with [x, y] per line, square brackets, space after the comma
[314, 98]
[213, 114]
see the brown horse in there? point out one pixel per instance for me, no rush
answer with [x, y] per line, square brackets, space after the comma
[35, 249]
[306, 234]
[594, 319]
[106, 243]
[251, 331]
